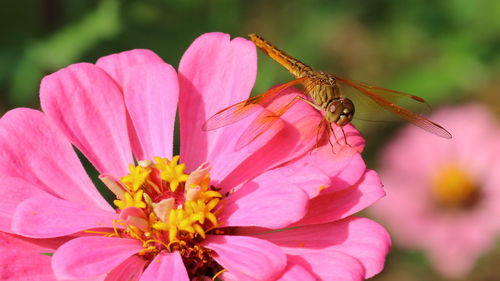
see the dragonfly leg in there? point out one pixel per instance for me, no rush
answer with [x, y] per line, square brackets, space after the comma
[318, 108]
[337, 140]
[334, 135]
[291, 103]
[345, 137]
[330, 129]
[322, 123]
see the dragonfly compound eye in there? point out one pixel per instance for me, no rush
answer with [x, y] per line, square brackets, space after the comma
[347, 112]
[340, 111]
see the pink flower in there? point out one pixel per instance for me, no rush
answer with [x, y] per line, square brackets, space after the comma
[211, 211]
[443, 195]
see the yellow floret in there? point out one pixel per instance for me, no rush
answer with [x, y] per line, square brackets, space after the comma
[135, 201]
[136, 177]
[171, 171]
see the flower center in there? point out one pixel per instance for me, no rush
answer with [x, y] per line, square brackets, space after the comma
[167, 209]
[454, 188]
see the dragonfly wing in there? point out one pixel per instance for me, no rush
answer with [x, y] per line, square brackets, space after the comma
[267, 120]
[241, 110]
[408, 115]
[231, 115]
[388, 91]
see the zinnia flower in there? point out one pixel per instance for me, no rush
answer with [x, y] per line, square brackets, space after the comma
[212, 211]
[443, 195]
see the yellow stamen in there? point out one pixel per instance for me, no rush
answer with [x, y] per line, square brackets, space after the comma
[138, 200]
[104, 233]
[155, 241]
[218, 274]
[135, 201]
[198, 229]
[212, 218]
[145, 251]
[174, 210]
[172, 234]
[212, 193]
[171, 172]
[136, 177]
[212, 204]
[159, 225]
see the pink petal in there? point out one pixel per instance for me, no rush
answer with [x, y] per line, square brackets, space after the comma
[34, 150]
[296, 136]
[166, 267]
[118, 65]
[87, 105]
[344, 168]
[349, 175]
[12, 192]
[309, 179]
[44, 217]
[247, 258]
[265, 202]
[151, 92]
[214, 72]
[49, 244]
[330, 265]
[306, 174]
[92, 256]
[296, 272]
[360, 238]
[341, 204]
[22, 259]
[131, 270]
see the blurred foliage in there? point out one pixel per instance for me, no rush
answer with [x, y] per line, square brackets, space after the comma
[63, 47]
[445, 51]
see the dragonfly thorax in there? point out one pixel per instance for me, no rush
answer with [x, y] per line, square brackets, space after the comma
[325, 93]
[340, 111]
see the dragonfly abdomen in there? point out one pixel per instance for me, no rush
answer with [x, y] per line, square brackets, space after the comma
[294, 66]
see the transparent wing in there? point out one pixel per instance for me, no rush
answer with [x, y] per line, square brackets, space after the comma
[387, 92]
[383, 97]
[267, 120]
[241, 110]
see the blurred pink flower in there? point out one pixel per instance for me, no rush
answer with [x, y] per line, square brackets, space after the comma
[443, 196]
[213, 214]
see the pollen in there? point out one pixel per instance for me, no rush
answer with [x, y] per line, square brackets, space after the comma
[168, 210]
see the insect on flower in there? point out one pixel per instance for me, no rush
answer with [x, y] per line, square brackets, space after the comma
[321, 91]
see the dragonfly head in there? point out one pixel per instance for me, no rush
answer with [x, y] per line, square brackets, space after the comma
[340, 111]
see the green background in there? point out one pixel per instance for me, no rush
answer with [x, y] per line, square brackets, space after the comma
[447, 52]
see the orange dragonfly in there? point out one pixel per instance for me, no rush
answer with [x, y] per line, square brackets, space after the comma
[321, 91]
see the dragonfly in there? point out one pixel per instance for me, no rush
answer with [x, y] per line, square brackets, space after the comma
[322, 91]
